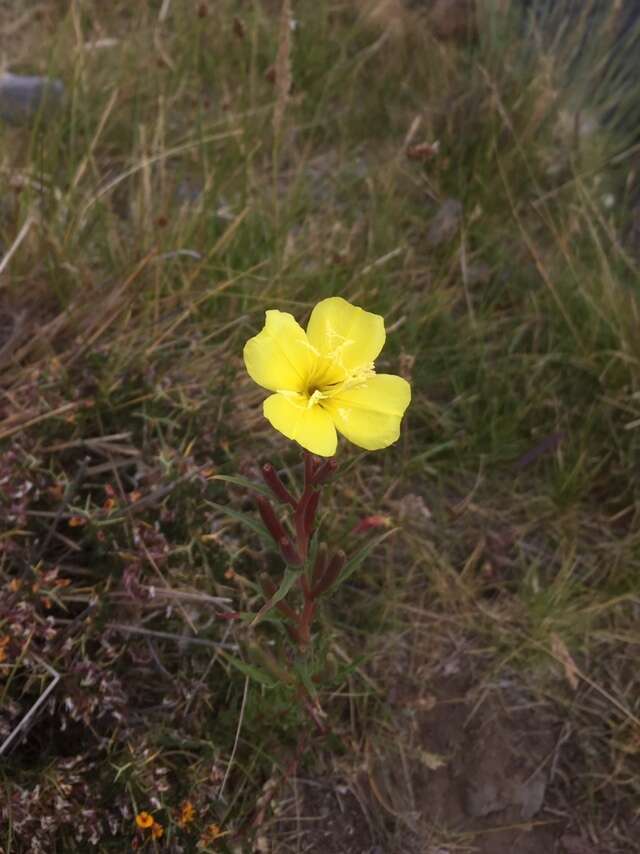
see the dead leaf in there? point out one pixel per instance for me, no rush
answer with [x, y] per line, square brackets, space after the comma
[561, 653]
[432, 761]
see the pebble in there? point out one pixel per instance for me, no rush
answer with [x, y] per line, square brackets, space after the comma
[22, 98]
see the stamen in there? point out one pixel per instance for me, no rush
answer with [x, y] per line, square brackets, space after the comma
[316, 397]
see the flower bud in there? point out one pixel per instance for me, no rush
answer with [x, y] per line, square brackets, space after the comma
[332, 572]
[310, 511]
[325, 471]
[289, 552]
[271, 521]
[311, 463]
[275, 484]
[320, 565]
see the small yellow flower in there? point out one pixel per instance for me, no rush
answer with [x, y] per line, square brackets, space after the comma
[324, 379]
[144, 820]
[211, 833]
[187, 814]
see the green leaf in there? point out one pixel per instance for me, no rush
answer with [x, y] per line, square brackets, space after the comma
[352, 565]
[245, 483]
[313, 549]
[244, 519]
[248, 670]
[301, 669]
[288, 580]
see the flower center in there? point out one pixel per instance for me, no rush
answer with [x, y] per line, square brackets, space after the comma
[317, 391]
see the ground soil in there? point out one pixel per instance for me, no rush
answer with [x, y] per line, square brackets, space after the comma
[470, 771]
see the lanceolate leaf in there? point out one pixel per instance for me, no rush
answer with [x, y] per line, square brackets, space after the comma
[303, 674]
[245, 483]
[313, 549]
[244, 519]
[361, 555]
[252, 672]
[288, 580]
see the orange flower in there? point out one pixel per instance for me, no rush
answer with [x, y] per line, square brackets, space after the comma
[157, 830]
[187, 814]
[144, 820]
[211, 833]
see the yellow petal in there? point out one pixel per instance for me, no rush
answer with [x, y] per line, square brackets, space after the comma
[310, 426]
[369, 416]
[279, 357]
[346, 333]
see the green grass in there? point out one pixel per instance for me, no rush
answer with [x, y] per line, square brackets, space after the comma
[166, 217]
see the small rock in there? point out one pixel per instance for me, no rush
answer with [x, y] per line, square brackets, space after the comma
[445, 223]
[22, 98]
[500, 779]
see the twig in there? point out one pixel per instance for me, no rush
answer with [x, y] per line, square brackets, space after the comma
[236, 739]
[138, 630]
[34, 709]
[30, 220]
[60, 410]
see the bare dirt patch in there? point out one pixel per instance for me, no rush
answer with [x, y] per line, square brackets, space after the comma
[470, 766]
[325, 815]
[485, 768]
[467, 772]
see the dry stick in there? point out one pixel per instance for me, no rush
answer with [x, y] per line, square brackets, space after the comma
[10, 344]
[30, 220]
[36, 706]
[92, 145]
[236, 739]
[198, 598]
[61, 410]
[138, 630]
[283, 87]
[282, 69]
[88, 443]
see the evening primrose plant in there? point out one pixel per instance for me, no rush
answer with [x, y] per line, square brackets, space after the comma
[323, 383]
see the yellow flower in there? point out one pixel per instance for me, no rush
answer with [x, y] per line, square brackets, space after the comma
[324, 379]
[157, 830]
[144, 820]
